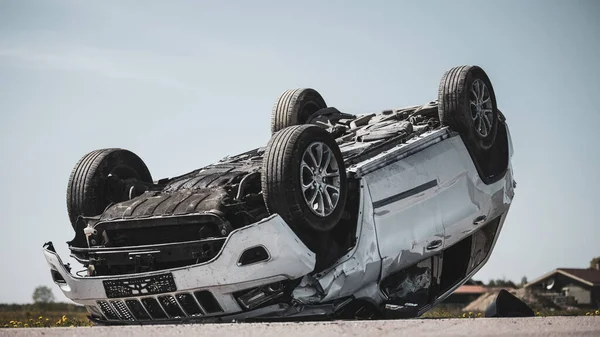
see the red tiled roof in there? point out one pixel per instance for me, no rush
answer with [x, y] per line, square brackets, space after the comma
[471, 289]
[590, 275]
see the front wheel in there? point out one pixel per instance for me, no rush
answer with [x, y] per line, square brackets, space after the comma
[304, 178]
[102, 177]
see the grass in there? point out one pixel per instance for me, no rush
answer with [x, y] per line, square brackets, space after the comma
[45, 315]
[31, 319]
[438, 313]
[45, 322]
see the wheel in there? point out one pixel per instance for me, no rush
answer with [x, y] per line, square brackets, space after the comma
[467, 104]
[101, 177]
[304, 178]
[294, 106]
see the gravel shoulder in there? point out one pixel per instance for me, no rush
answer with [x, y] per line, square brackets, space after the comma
[538, 326]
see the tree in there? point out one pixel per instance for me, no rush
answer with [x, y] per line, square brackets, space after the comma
[43, 294]
[594, 262]
[501, 283]
[523, 281]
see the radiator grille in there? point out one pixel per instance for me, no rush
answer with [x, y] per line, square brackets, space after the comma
[208, 301]
[153, 308]
[122, 311]
[162, 307]
[107, 310]
[137, 310]
[189, 304]
[170, 306]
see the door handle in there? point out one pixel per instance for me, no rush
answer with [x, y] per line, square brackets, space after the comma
[479, 220]
[434, 244]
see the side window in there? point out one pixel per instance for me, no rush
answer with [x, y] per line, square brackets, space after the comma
[410, 287]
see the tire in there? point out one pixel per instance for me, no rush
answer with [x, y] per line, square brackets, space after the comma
[88, 191]
[294, 107]
[461, 110]
[283, 174]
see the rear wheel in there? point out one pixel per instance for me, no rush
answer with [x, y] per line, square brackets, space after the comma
[102, 177]
[304, 178]
[467, 103]
[294, 107]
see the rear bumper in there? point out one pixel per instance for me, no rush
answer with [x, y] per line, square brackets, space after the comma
[194, 291]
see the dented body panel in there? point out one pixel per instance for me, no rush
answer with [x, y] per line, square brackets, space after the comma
[356, 273]
[427, 216]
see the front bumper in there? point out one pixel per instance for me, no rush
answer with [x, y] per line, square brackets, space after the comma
[192, 292]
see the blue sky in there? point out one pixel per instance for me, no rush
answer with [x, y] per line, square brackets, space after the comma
[184, 83]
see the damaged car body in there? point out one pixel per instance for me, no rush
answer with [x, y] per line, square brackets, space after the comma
[338, 216]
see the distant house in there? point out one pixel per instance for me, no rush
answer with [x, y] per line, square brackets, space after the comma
[569, 287]
[465, 294]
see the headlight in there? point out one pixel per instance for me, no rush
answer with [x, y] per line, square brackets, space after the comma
[250, 299]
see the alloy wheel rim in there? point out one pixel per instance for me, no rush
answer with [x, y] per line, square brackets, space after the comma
[481, 108]
[320, 179]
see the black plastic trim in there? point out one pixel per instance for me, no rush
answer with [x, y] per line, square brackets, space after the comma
[405, 194]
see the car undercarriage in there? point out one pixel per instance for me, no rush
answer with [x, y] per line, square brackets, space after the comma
[186, 219]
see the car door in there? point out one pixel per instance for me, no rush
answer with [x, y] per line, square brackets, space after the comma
[462, 205]
[406, 211]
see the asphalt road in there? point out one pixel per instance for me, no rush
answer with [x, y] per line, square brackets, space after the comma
[539, 326]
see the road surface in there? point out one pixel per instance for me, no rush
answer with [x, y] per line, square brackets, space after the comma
[538, 326]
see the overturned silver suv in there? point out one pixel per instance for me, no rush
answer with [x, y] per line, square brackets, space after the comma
[339, 216]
